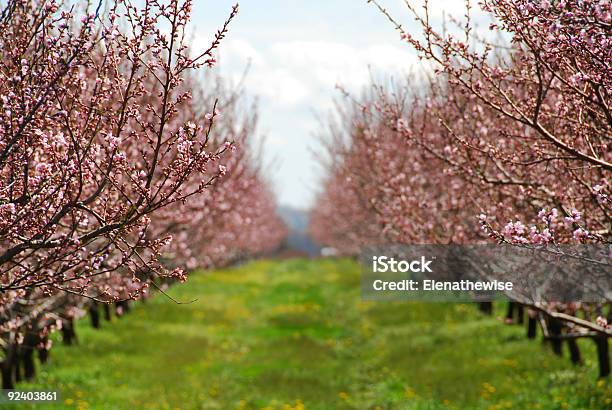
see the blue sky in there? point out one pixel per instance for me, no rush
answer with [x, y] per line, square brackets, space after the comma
[299, 50]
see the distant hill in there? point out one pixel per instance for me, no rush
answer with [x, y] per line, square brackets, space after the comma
[298, 238]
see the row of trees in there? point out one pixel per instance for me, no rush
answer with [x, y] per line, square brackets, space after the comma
[120, 165]
[507, 139]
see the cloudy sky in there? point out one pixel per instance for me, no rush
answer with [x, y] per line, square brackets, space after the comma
[299, 50]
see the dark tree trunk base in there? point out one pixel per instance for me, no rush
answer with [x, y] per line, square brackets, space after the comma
[107, 312]
[43, 353]
[603, 355]
[17, 365]
[68, 333]
[27, 354]
[554, 327]
[520, 313]
[94, 314]
[510, 311]
[574, 350]
[486, 307]
[7, 374]
[43, 356]
[532, 327]
[8, 368]
[29, 369]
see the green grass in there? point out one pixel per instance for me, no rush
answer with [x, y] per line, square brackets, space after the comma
[295, 334]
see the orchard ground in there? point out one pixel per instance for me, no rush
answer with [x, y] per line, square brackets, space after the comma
[295, 334]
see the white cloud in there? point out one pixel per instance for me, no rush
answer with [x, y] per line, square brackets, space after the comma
[242, 50]
[296, 72]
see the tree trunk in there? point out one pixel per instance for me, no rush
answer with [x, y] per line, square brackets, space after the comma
[107, 312]
[532, 327]
[7, 374]
[43, 353]
[68, 332]
[486, 307]
[520, 312]
[510, 312]
[94, 314]
[574, 350]
[17, 364]
[554, 327]
[8, 380]
[27, 354]
[43, 356]
[603, 355]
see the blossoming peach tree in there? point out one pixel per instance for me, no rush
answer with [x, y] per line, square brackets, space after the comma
[500, 135]
[102, 146]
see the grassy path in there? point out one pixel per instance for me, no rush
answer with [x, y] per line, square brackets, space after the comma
[294, 334]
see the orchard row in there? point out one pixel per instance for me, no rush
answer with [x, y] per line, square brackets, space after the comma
[506, 138]
[121, 165]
